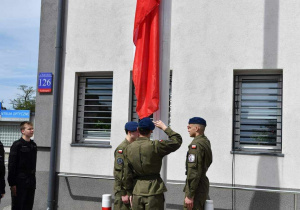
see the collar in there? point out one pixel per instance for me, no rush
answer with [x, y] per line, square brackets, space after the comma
[197, 139]
[126, 141]
[142, 138]
[23, 140]
[200, 136]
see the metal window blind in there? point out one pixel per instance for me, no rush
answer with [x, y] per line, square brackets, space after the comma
[258, 112]
[94, 109]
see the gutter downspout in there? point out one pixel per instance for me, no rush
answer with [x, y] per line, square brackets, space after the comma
[51, 203]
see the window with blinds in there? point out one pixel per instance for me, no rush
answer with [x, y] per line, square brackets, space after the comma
[94, 109]
[258, 113]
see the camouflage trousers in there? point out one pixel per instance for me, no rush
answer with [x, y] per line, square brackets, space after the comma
[119, 205]
[153, 202]
[199, 201]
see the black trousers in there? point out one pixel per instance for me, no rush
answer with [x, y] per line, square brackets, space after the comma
[24, 199]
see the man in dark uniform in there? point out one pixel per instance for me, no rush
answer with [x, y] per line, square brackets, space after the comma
[21, 169]
[198, 160]
[143, 161]
[121, 198]
[2, 170]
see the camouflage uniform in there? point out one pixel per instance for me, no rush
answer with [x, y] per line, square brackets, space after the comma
[143, 161]
[118, 174]
[198, 160]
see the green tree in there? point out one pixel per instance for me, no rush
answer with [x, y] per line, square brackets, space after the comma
[26, 100]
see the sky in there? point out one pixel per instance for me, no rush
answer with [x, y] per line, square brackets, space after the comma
[19, 45]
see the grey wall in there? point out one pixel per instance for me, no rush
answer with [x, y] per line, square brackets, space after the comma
[83, 193]
[46, 63]
[44, 101]
[80, 193]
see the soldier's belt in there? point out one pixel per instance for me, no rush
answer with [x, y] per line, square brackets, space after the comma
[148, 177]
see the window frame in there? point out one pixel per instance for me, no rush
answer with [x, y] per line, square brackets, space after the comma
[79, 139]
[237, 107]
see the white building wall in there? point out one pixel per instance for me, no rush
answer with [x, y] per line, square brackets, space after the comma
[209, 40]
[98, 38]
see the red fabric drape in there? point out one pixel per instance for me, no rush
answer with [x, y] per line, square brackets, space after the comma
[146, 61]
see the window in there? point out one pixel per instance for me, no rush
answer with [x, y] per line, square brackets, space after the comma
[134, 116]
[258, 113]
[94, 109]
[9, 132]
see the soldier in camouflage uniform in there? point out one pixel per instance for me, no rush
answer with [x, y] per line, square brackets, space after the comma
[198, 160]
[121, 198]
[143, 161]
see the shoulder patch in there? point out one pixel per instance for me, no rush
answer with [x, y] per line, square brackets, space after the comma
[120, 151]
[161, 140]
[194, 146]
[120, 161]
[191, 158]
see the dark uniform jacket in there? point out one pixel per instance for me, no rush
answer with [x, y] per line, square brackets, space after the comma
[143, 161]
[22, 164]
[2, 169]
[119, 169]
[198, 160]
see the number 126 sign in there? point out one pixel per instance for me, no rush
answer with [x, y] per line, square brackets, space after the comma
[45, 82]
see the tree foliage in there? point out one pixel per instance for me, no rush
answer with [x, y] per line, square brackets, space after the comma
[26, 100]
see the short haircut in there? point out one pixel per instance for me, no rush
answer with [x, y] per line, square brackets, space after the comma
[202, 127]
[126, 131]
[144, 132]
[22, 124]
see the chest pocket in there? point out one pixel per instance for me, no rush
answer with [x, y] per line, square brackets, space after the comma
[25, 150]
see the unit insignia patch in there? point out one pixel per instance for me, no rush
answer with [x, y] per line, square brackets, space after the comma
[191, 158]
[120, 161]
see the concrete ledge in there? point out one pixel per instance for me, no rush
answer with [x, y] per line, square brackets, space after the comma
[257, 153]
[90, 145]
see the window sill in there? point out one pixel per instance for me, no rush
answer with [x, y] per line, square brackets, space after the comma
[277, 154]
[91, 145]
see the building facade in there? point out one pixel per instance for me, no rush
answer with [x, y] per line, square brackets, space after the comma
[234, 63]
